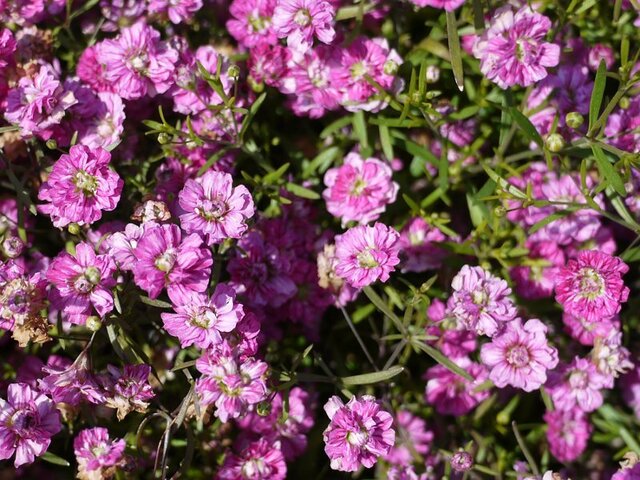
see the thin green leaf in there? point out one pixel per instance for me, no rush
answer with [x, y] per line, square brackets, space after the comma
[154, 303]
[597, 94]
[321, 162]
[385, 142]
[525, 125]
[302, 192]
[271, 178]
[439, 357]
[255, 106]
[607, 171]
[379, 303]
[54, 459]
[454, 49]
[373, 377]
[360, 129]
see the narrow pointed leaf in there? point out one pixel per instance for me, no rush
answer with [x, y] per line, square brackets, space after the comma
[374, 377]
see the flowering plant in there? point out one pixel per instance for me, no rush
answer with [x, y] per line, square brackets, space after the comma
[269, 239]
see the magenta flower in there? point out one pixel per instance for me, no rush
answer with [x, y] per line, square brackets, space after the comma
[38, 103]
[201, 320]
[71, 383]
[258, 460]
[448, 5]
[591, 285]
[250, 24]
[214, 207]
[451, 394]
[94, 450]
[577, 385]
[587, 332]
[520, 356]
[631, 472]
[300, 20]
[128, 389]
[80, 186]
[137, 62]
[81, 282]
[164, 259]
[512, 51]
[234, 386]
[412, 438]
[367, 254]
[28, 420]
[7, 47]
[418, 246]
[567, 433]
[358, 433]
[122, 245]
[360, 189]
[177, 11]
[480, 301]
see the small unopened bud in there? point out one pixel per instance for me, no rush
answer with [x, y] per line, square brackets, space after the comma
[12, 246]
[73, 228]
[554, 142]
[390, 67]
[433, 74]
[500, 211]
[233, 71]
[461, 461]
[163, 138]
[93, 323]
[416, 98]
[263, 409]
[92, 274]
[51, 144]
[574, 120]
[624, 103]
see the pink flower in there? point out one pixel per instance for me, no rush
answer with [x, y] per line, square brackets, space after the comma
[177, 11]
[7, 47]
[122, 245]
[520, 356]
[358, 433]
[366, 57]
[82, 281]
[290, 431]
[80, 186]
[412, 438]
[448, 5]
[628, 473]
[418, 246]
[37, 103]
[234, 385]
[250, 24]
[577, 385]
[128, 389]
[137, 62]
[567, 433]
[105, 128]
[535, 281]
[512, 51]
[165, 259]
[91, 71]
[200, 320]
[360, 189]
[587, 332]
[300, 20]
[610, 357]
[480, 301]
[71, 383]
[631, 390]
[367, 254]
[451, 394]
[214, 207]
[258, 460]
[94, 450]
[28, 420]
[591, 285]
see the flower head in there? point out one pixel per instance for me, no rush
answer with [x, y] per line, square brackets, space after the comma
[452, 394]
[366, 254]
[577, 385]
[128, 389]
[567, 433]
[28, 420]
[520, 356]
[258, 460]
[358, 433]
[299, 21]
[95, 450]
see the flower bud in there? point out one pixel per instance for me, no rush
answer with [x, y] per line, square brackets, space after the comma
[51, 144]
[554, 142]
[624, 103]
[500, 211]
[12, 246]
[461, 461]
[73, 228]
[263, 409]
[390, 67]
[433, 74]
[233, 71]
[93, 323]
[574, 120]
[163, 138]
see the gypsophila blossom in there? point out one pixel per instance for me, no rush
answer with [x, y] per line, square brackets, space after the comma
[360, 189]
[480, 301]
[412, 437]
[201, 320]
[80, 187]
[591, 286]
[165, 259]
[258, 460]
[96, 452]
[358, 433]
[251, 22]
[214, 207]
[512, 50]
[520, 356]
[128, 389]
[567, 433]
[448, 5]
[299, 21]
[82, 283]
[452, 394]
[418, 246]
[366, 254]
[577, 385]
[28, 420]
[177, 11]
